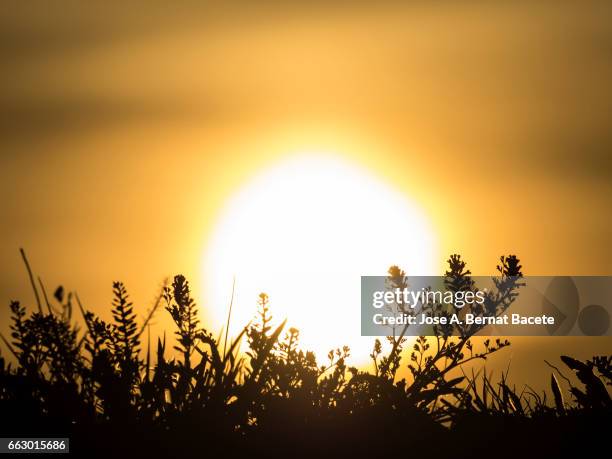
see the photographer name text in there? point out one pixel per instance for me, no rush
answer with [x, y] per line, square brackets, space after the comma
[468, 319]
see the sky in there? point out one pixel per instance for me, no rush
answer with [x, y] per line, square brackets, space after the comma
[127, 126]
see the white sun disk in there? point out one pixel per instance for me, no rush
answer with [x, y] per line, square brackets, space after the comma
[303, 232]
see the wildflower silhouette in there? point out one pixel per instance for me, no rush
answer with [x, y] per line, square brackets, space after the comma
[97, 384]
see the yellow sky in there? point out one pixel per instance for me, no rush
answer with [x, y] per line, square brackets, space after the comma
[126, 127]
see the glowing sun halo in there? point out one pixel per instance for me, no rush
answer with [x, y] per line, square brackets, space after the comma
[304, 231]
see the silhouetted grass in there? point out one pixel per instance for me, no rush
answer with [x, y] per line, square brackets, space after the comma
[98, 385]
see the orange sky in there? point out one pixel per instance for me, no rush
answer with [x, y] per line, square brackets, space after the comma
[126, 128]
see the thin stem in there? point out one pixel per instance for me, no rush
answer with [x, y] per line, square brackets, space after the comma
[44, 292]
[229, 315]
[25, 260]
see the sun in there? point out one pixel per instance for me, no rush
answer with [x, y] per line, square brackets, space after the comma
[304, 231]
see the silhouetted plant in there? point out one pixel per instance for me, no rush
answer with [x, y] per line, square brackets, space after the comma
[102, 376]
[184, 312]
[595, 394]
[434, 360]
